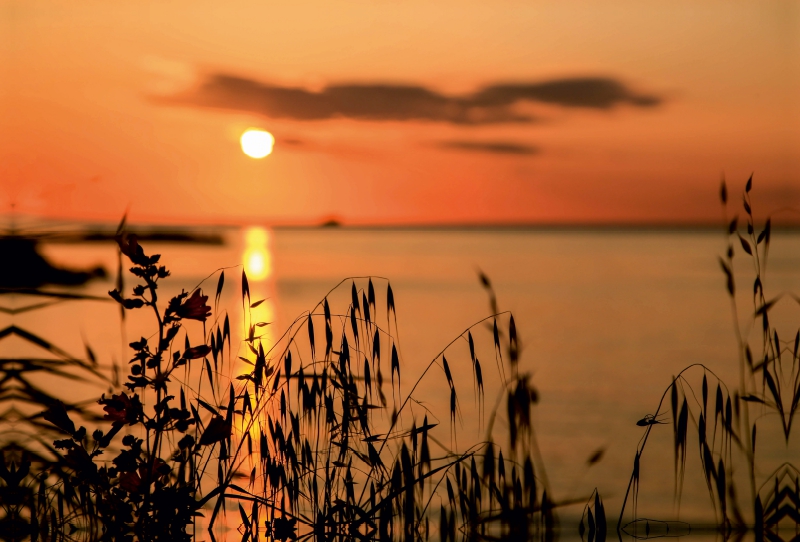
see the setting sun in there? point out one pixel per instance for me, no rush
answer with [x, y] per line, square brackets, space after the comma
[257, 143]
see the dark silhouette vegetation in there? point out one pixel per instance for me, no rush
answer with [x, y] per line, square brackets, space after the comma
[718, 423]
[320, 435]
[314, 439]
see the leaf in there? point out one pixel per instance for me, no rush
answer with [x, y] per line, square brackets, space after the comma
[220, 282]
[354, 297]
[447, 373]
[728, 414]
[197, 352]
[328, 338]
[701, 428]
[371, 294]
[256, 304]
[287, 365]
[796, 344]
[777, 345]
[208, 407]
[683, 423]
[90, 355]
[245, 519]
[390, 298]
[513, 347]
[773, 389]
[596, 456]
[471, 346]
[749, 185]
[57, 415]
[217, 429]
[746, 245]
[721, 485]
[452, 405]
[365, 306]
[708, 463]
[795, 403]
[728, 275]
[674, 405]
[376, 347]
[231, 405]
[395, 364]
[245, 287]
[367, 377]
[767, 306]
[354, 325]
[311, 335]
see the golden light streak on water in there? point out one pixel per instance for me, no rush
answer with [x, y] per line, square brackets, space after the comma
[257, 258]
[259, 317]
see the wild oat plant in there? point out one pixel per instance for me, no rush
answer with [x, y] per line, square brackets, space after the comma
[333, 448]
[314, 440]
[723, 421]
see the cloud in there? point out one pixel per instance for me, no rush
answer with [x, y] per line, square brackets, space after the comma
[386, 102]
[491, 147]
[590, 92]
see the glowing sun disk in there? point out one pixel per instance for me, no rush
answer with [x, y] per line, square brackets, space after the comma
[257, 143]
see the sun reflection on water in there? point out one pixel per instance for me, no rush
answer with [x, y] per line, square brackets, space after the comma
[260, 315]
[257, 259]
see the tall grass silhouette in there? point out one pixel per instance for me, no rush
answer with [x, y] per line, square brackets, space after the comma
[722, 421]
[320, 433]
[318, 437]
[341, 451]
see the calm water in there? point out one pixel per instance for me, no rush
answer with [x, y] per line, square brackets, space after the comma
[605, 320]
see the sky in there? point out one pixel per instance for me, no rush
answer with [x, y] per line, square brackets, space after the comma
[398, 112]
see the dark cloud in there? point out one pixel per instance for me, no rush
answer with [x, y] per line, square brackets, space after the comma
[384, 102]
[595, 93]
[491, 147]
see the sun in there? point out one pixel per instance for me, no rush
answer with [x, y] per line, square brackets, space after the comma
[257, 143]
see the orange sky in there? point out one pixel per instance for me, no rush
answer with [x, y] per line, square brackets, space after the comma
[397, 112]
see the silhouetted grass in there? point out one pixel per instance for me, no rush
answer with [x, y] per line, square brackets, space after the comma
[722, 422]
[321, 435]
[335, 448]
[318, 438]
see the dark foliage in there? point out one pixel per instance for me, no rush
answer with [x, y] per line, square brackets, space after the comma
[723, 422]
